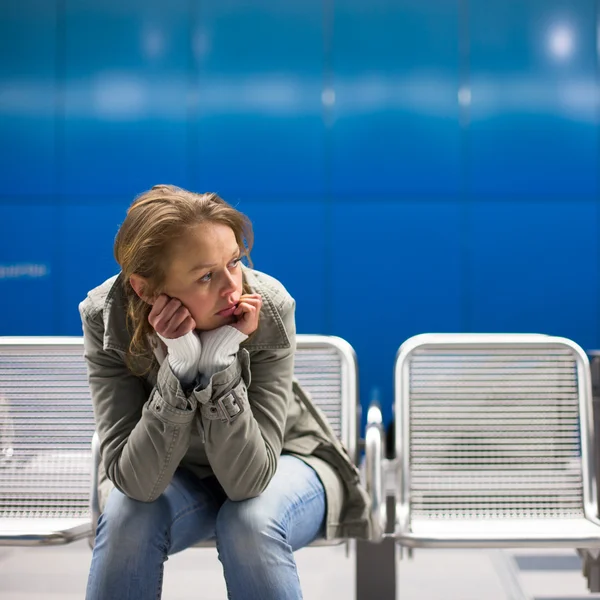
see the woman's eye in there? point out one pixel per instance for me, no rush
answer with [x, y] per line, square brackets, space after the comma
[208, 277]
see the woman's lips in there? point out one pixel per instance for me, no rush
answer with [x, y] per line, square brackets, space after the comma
[227, 312]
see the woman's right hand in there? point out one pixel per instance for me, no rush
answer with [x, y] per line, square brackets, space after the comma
[170, 318]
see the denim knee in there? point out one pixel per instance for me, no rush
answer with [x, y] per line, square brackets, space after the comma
[127, 525]
[245, 529]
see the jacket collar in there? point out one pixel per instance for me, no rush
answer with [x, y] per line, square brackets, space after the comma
[271, 332]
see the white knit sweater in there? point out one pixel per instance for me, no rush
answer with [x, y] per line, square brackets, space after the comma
[198, 356]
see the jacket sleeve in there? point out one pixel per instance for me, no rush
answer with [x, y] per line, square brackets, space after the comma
[143, 437]
[243, 410]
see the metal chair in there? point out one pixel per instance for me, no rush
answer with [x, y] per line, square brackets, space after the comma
[494, 444]
[46, 424]
[326, 368]
[591, 557]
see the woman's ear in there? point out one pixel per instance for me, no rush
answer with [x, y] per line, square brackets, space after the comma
[140, 285]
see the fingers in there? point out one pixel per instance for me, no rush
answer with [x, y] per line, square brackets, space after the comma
[180, 316]
[248, 304]
[248, 311]
[169, 317]
[249, 300]
[187, 325]
[159, 304]
[162, 310]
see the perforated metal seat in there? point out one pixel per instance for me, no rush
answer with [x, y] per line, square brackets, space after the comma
[494, 443]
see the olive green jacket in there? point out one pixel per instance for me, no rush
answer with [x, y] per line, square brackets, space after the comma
[235, 428]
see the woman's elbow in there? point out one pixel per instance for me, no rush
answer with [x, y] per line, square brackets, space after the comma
[132, 487]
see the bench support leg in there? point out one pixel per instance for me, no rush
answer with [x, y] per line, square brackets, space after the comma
[376, 567]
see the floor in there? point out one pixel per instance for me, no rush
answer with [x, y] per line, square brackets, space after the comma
[60, 573]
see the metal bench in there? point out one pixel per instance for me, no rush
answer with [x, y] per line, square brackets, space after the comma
[326, 368]
[494, 444]
[46, 426]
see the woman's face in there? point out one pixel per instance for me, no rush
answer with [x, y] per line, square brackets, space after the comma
[205, 274]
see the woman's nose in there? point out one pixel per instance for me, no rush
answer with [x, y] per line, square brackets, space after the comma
[228, 284]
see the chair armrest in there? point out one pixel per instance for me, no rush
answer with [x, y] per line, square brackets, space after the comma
[374, 475]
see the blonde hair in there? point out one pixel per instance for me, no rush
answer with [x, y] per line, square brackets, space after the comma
[154, 221]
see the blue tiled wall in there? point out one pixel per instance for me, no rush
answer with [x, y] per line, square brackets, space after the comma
[409, 167]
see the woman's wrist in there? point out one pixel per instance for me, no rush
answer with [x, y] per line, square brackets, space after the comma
[219, 347]
[183, 354]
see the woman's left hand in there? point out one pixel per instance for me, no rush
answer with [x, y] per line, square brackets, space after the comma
[247, 313]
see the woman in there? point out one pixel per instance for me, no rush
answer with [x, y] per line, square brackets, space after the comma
[203, 432]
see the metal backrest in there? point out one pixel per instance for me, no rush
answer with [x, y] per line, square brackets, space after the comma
[488, 427]
[326, 368]
[47, 423]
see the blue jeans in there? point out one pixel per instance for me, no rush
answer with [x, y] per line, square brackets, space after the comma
[255, 538]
